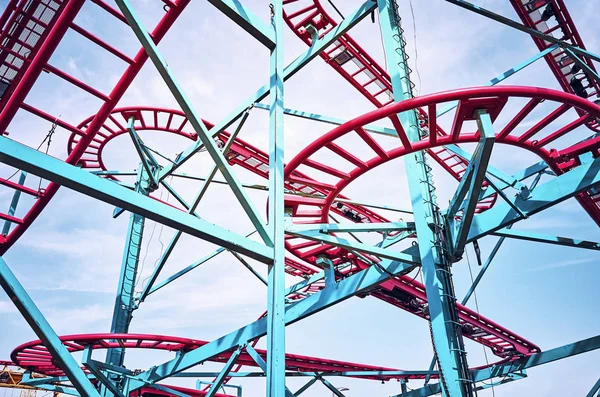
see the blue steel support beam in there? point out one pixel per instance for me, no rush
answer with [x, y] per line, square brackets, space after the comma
[558, 189]
[124, 302]
[370, 249]
[588, 70]
[13, 204]
[502, 77]
[306, 386]
[534, 360]
[318, 46]
[276, 271]
[149, 163]
[189, 268]
[106, 383]
[331, 387]
[478, 169]
[50, 168]
[223, 374]
[263, 365]
[247, 21]
[148, 288]
[536, 33]
[38, 323]
[595, 390]
[351, 227]
[247, 266]
[194, 119]
[541, 238]
[258, 374]
[445, 328]
[344, 289]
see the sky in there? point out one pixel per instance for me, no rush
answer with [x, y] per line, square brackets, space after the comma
[69, 259]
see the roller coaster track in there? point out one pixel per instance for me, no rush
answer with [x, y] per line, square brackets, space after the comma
[353, 63]
[20, 68]
[403, 292]
[31, 32]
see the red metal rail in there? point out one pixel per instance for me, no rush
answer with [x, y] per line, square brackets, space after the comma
[355, 65]
[15, 19]
[404, 292]
[552, 17]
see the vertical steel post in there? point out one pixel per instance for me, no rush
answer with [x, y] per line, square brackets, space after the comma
[445, 328]
[275, 370]
[124, 302]
[44, 331]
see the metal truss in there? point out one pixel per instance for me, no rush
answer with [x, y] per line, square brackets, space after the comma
[303, 236]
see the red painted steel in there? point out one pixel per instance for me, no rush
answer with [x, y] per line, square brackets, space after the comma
[561, 26]
[15, 101]
[404, 292]
[355, 65]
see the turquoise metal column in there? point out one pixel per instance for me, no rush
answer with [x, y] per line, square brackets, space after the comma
[445, 329]
[276, 277]
[44, 331]
[124, 303]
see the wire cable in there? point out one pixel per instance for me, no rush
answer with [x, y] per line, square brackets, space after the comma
[336, 9]
[479, 315]
[412, 11]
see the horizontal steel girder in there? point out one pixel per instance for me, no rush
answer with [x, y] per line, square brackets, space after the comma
[23, 157]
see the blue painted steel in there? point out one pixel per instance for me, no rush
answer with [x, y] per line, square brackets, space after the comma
[507, 180]
[501, 370]
[556, 190]
[247, 266]
[259, 374]
[263, 365]
[108, 387]
[595, 390]
[329, 120]
[346, 288]
[276, 271]
[306, 386]
[533, 32]
[473, 180]
[124, 302]
[445, 109]
[342, 242]
[351, 227]
[331, 387]
[44, 331]
[194, 119]
[186, 269]
[591, 73]
[318, 46]
[223, 375]
[447, 339]
[238, 389]
[149, 163]
[148, 288]
[541, 238]
[13, 204]
[28, 159]
[247, 21]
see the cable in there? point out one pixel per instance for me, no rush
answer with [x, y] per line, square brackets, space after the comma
[412, 11]
[162, 245]
[479, 315]
[336, 9]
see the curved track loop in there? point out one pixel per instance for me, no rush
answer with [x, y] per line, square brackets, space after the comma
[561, 26]
[351, 61]
[404, 292]
[34, 355]
[37, 61]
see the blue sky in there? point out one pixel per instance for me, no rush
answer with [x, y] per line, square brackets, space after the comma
[70, 258]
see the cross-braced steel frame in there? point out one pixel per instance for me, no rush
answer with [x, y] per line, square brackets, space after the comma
[297, 237]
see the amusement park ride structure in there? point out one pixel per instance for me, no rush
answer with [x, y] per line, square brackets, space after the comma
[299, 239]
